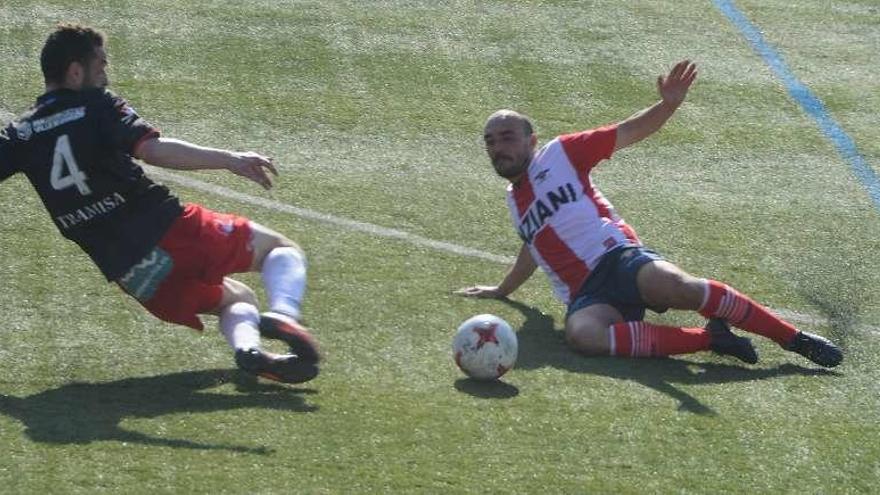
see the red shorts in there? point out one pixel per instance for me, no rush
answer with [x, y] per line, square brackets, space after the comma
[183, 276]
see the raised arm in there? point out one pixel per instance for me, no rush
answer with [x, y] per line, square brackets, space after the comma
[673, 88]
[522, 269]
[181, 155]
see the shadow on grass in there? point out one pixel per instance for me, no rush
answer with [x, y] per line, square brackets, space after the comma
[486, 389]
[81, 413]
[540, 345]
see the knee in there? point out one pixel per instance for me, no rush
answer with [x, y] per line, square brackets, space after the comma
[689, 293]
[291, 249]
[275, 240]
[241, 310]
[240, 293]
[676, 290]
[264, 241]
[587, 340]
[290, 257]
[280, 248]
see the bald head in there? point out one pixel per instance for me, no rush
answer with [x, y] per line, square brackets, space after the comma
[510, 143]
[506, 117]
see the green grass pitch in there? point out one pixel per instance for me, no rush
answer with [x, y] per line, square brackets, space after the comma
[374, 111]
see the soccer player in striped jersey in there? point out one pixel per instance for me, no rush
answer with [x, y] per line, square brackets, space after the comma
[596, 263]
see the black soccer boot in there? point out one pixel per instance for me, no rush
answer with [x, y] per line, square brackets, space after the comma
[285, 368]
[815, 348]
[723, 341]
[284, 328]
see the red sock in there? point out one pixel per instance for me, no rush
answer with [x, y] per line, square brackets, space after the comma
[723, 301]
[643, 339]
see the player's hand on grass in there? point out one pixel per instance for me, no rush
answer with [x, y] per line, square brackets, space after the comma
[674, 87]
[253, 166]
[481, 292]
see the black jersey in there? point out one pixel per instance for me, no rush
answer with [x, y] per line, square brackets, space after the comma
[75, 148]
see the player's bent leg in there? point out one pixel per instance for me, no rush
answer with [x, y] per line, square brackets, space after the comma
[239, 323]
[663, 284]
[723, 301]
[600, 330]
[283, 267]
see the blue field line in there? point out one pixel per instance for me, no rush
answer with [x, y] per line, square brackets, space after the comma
[806, 99]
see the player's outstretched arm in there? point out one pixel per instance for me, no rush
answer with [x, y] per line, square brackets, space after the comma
[181, 155]
[522, 269]
[672, 89]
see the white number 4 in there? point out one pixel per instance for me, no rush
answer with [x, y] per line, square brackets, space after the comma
[65, 172]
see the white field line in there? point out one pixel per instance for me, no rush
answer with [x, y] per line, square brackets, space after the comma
[795, 317]
[368, 228]
[346, 223]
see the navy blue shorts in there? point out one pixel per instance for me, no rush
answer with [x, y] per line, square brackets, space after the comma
[613, 282]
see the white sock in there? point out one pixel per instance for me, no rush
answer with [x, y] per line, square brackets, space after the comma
[284, 276]
[239, 324]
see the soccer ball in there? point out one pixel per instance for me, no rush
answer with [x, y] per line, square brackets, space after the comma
[484, 347]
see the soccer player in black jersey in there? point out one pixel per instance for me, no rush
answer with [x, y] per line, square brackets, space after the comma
[76, 147]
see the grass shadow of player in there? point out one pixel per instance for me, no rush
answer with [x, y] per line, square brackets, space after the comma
[81, 413]
[541, 345]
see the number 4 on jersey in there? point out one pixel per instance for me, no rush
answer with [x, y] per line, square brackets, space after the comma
[65, 172]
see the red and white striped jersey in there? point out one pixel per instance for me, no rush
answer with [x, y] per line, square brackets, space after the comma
[560, 214]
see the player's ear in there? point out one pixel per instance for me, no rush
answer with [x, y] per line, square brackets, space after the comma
[533, 140]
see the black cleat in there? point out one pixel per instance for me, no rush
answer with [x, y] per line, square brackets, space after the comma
[285, 368]
[815, 348]
[277, 326]
[723, 341]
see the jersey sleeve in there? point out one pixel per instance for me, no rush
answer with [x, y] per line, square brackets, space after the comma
[8, 166]
[126, 129]
[586, 149]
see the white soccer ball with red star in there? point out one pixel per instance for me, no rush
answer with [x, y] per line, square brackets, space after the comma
[485, 347]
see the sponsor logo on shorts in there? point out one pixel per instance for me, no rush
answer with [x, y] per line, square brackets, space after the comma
[144, 278]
